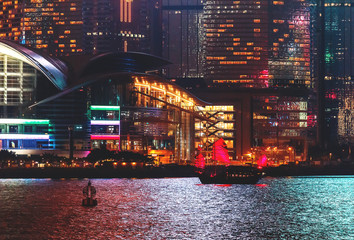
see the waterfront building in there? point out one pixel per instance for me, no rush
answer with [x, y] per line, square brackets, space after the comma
[105, 101]
[257, 58]
[338, 71]
[222, 125]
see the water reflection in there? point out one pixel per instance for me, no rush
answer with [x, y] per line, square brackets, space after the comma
[181, 208]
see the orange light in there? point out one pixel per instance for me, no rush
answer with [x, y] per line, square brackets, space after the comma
[124, 163]
[133, 163]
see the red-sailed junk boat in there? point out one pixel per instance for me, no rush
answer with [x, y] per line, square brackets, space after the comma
[226, 173]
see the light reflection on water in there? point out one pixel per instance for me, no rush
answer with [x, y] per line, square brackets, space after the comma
[178, 208]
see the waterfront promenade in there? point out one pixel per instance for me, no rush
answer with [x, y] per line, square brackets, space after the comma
[163, 171]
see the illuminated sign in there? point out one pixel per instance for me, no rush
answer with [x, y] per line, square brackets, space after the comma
[107, 108]
[105, 137]
[105, 122]
[24, 136]
[23, 121]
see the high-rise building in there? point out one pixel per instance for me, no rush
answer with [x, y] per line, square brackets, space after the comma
[124, 25]
[55, 26]
[339, 71]
[72, 27]
[183, 37]
[257, 55]
[260, 44]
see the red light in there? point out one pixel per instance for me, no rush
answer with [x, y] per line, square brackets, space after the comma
[262, 185]
[223, 185]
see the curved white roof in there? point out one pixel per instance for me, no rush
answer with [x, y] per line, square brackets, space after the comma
[52, 68]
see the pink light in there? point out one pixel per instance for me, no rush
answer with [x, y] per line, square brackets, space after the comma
[24, 136]
[105, 137]
[262, 161]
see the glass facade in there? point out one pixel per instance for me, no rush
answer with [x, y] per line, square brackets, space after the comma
[18, 81]
[278, 118]
[54, 26]
[24, 134]
[183, 37]
[222, 125]
[74, 27]
[143, 114]
[339, 56]
[258, 44]
[122, 25]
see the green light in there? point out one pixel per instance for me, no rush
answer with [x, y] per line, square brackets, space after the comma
[110, 108]
[23, 121]
[328, 57]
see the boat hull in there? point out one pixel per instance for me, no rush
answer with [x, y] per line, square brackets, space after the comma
[230, 175]
[89, 202]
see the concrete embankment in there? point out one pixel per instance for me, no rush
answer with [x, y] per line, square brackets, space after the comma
[282, 171]
[155, 172]
[163, 172]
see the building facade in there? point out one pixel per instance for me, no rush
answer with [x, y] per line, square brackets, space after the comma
[182, 38]
[260, 52]
[63, 27]
[339, 56]
[261, 44]
[113, 104]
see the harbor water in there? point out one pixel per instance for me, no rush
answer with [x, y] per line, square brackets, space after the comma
[178, 208]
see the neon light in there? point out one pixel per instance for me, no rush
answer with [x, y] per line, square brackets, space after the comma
[105, 137]
[262, 161]
[23, 121]
[111, 108]
[24, 136]
[105, 122]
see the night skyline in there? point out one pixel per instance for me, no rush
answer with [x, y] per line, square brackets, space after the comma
[176, 119]
[216, 44]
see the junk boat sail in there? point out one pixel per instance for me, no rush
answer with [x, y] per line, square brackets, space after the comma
[226, 173]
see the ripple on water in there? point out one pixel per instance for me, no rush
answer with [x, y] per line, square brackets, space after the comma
[178, 208]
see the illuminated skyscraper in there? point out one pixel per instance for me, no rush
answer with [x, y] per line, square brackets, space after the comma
[257, 53]
[54, 26]
[183, 37]
[339, 71]
[70, 27]
[124, 25]
[260, 44]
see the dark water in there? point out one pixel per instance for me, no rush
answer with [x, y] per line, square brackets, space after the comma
[180, 208]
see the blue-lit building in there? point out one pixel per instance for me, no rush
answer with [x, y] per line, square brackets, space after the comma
[109, 100]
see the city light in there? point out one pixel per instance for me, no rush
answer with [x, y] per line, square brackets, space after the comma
[105, 122]
[23, 121]
[107, 108]
[105, 137]
[24, 136]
